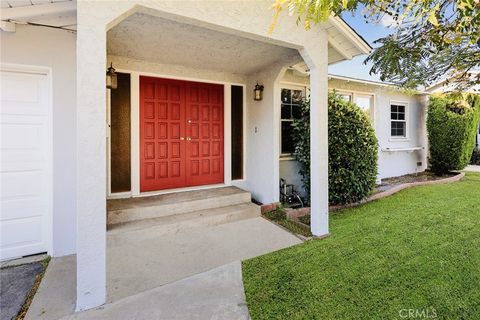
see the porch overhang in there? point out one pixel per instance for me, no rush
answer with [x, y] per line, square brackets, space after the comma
[203, 39]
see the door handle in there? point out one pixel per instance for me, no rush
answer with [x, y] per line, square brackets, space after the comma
[182, 138]
[189, 139]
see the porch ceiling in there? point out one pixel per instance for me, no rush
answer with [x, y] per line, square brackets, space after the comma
[153, 39]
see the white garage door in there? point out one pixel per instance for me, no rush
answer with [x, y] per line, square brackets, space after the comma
[26, 164]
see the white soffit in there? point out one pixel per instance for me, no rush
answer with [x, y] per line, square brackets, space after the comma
[344, 42]
[148, 38]
[59, 13]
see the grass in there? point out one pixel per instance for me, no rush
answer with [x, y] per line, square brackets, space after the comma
[416, 250]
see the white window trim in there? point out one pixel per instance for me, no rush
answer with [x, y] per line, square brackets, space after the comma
[407, 120]
[289, 86]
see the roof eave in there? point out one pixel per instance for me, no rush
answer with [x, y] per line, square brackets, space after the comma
[360, 43]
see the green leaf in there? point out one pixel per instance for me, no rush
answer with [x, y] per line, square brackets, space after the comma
[432, 18]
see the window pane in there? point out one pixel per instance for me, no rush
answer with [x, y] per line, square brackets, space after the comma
[296, 111]
[287, 141]
[394, 116]
[286, 111]
[297, 96]
[346, 97]
[398, 129]
[286, 96]
[394, 108]
[364, 102]
[401, 109]
[237, 132]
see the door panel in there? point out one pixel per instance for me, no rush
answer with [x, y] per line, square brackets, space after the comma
[204, 131]
[162, 110]
[181, 133]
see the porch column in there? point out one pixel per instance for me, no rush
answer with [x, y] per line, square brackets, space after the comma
[91, 161]
[317, 60]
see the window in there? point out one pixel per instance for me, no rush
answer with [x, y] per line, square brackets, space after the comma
[237, 132]
[290, 110]
[345, 96]
[364, 101]
[398, 120]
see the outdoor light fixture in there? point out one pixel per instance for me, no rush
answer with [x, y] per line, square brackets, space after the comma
[258, 92]
[111, 78]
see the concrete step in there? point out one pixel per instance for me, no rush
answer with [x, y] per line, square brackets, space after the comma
[134, 209]
[180, 222]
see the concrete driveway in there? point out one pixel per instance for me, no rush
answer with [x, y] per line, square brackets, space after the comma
[15, 284]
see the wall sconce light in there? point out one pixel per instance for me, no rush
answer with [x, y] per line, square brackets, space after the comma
[258, 92]
[111, 78]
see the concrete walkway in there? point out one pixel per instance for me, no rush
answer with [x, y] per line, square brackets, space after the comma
[472, 168]
[55, 297]
[216, 294]
[143, 259]
[158, 276]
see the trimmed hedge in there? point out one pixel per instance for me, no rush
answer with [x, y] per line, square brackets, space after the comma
[352, 147]
[451, 124]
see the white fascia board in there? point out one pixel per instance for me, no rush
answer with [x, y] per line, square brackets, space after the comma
[369, 82]
[25, 12]
[7, 26]
[350, 34]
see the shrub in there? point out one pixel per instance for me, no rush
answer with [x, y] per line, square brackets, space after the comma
[451, 124]
[352, 147]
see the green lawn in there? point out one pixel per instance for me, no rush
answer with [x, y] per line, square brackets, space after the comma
[418, 249]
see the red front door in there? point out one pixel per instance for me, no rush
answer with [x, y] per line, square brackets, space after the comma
[181, 134]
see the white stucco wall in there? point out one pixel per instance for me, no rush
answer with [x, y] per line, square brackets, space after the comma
[55, 49]
[174, 71]
[394, 163]
[263, 137]
[289, 169]
[478, 136]
[390, 163]
[397, 163]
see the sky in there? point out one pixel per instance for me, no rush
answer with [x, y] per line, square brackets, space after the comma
[355, 68]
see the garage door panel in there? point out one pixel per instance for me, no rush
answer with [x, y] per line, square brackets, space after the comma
[24, 93]
[25, 207]
[26, 164]
[26, 136]
[29, 161]
[22, 184]
[20, 237]
[21, 232]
